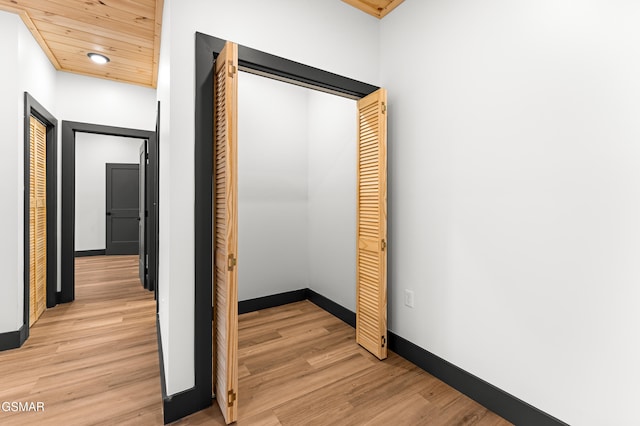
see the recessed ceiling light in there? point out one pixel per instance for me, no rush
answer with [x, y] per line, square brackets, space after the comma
[98, 58]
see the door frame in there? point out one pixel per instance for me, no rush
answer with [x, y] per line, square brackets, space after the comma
[143, 241]
[256, 62]
[69, 130]
[33, 108]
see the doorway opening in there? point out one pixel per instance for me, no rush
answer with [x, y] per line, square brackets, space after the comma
[371, 128]
[138, 140]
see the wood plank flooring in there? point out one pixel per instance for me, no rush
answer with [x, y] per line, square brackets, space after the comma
[95, 361]
[299, 365]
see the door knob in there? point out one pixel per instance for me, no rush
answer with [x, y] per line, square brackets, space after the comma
[108, 213]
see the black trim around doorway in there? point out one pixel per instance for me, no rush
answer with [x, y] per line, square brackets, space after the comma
[254, 61]
[33, 107]
[69, 130]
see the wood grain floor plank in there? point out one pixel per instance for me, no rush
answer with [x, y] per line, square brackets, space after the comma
[301, 366]
[92, 361]
[95, 362]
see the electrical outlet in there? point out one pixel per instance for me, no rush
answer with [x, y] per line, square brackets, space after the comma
[408, 298]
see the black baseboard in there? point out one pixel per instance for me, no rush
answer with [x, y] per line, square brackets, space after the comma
[500, 402]
[84, 253]
[163, 383]
[181, 404]
[251, 305]
[14, 339]
[332, 307]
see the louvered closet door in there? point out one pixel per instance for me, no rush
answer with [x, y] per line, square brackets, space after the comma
[225, 209]
[37, 219]
[371, 231]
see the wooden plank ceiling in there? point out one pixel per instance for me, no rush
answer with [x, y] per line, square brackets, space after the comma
[377, 8]
[126, 31]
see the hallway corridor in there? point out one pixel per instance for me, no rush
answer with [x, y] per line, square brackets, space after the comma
[93, 361]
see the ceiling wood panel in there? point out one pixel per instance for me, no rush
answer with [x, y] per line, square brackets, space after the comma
[48, 31]
[98, 46]
[127, 31]
[377, 8]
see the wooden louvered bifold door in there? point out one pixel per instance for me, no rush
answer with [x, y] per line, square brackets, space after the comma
[371, 228]
[225, 244]
[37, 219]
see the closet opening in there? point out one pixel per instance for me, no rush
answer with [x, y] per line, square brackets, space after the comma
[370, 208]
[220, 71]
[87, 234]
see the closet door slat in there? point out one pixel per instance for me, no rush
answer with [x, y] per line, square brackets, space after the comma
[225, 216]
[371, 228]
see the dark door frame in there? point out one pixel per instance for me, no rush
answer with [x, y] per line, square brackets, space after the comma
[34, 108]
[143, 212]
[153, 240]
[69, 130]
[110, 167]
[260, 63]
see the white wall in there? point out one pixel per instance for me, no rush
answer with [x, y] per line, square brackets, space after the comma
[164, 267]
[328, 35]
[11, 185]
[93, 152]
[105, 102]
[296, 191]
[514, 195]
[272, 187]
[33, 73]
[332, 135]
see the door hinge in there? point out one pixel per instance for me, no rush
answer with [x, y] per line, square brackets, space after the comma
[383, 244]
[231, 398]
[383, 341]
[384, 107]
[232, 69]
[231, 262]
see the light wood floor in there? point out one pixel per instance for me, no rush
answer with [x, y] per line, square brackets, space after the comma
[95, 361]
[299, 365]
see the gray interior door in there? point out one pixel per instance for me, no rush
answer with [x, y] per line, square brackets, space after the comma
[142, 215]
[122, 208]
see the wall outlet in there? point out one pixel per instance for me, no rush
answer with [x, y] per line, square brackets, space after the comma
[408, 298]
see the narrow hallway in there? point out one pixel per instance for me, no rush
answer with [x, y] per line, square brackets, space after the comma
[91, 361]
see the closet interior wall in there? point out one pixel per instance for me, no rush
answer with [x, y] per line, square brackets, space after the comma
[296, 190]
